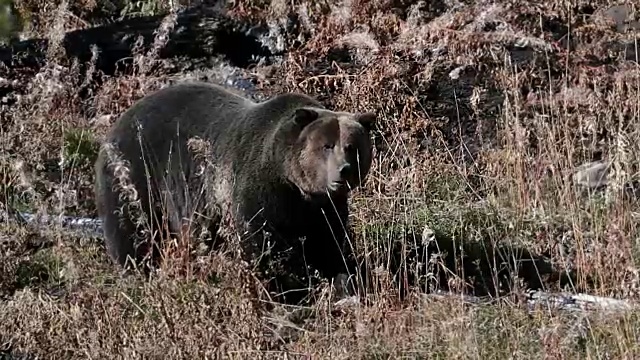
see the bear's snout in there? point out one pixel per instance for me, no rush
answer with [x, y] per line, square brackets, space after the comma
[349, 175]
[345, 170]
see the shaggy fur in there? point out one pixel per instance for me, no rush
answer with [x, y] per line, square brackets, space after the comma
[280, 171]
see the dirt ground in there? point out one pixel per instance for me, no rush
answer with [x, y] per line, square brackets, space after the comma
[486, 110]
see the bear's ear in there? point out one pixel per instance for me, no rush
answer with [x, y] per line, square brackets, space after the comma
[304, 116]
[367, 120]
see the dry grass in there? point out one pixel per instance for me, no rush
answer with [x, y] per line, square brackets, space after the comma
[485, 111]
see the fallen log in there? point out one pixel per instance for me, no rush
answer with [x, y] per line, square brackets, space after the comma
[199, 32]
[536, 299]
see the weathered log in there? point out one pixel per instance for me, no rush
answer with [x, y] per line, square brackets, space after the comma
[198, 33]
[578, 302]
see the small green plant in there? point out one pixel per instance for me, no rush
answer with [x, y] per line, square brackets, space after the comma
[143, 8]
[41, 269]
[9, 21]
[79, 149]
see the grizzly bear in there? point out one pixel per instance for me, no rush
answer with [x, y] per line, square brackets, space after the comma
[279, 171]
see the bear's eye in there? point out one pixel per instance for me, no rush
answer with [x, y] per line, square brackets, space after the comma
[328, 147]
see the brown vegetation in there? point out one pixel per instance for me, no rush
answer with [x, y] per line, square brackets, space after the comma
[485, 112]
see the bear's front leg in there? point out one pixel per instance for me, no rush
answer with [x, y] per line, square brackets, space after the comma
[330, 252]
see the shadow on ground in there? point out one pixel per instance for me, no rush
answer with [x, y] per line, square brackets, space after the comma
[429, 261]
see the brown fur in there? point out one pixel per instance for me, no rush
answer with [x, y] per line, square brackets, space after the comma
[279, 171]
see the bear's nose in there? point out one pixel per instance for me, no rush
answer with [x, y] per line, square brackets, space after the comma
[344, 169]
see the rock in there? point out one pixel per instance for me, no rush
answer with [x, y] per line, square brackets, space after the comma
[347, 302]
[592, 175]
[620, 16]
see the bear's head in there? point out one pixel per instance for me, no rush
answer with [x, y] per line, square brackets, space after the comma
[332, 152]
